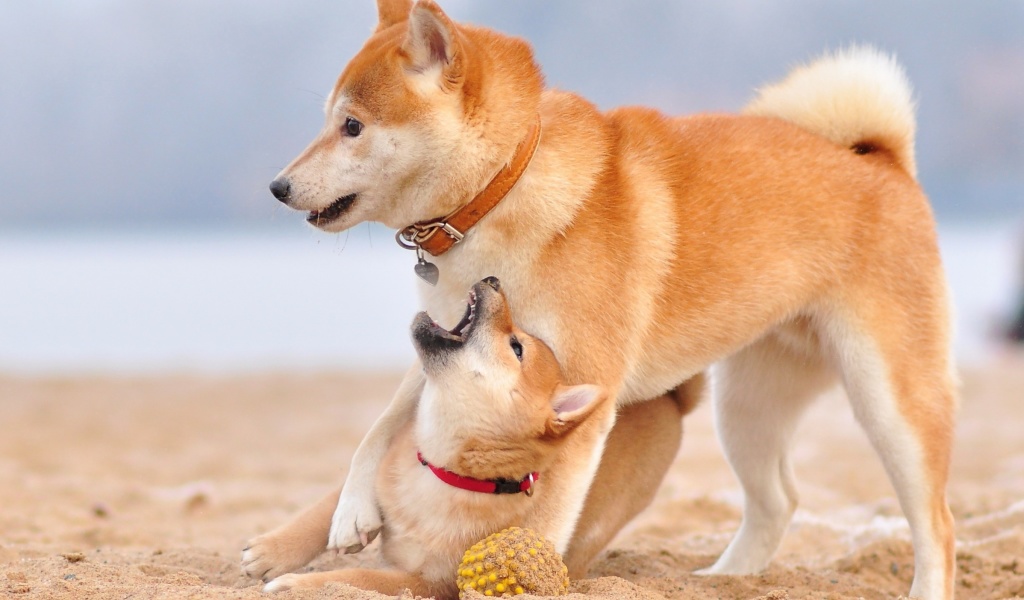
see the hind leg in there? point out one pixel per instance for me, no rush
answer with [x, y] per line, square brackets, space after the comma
[901, 387]
[640, 448]
[762, 392]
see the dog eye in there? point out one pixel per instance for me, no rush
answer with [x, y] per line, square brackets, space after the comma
[352, 127]
[517, 348]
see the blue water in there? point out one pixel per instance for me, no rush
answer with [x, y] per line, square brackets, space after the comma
[230, 302]
[203, 301]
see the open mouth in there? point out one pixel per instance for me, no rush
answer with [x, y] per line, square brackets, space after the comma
[332, 212]
[463, 327]
[430, 336]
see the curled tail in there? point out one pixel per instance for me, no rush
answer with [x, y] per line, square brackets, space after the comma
[859, 98]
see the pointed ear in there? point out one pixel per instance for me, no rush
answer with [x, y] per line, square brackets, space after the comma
[391, 12]
[572, 405]
[433, 42]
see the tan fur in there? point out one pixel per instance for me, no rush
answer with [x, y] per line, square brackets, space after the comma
[643, 248]
[485, 415]
[621, 490]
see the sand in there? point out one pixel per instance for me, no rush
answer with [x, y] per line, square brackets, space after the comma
[149, 488]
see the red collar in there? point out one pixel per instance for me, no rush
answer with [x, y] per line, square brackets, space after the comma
[486, 486]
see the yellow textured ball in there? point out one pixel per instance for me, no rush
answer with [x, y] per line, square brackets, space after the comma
[511, 562]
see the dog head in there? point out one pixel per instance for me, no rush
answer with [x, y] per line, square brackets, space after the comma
[494, 403]
[417, 123]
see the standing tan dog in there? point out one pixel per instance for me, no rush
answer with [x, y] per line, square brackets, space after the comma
[495, 414]
[791, 244]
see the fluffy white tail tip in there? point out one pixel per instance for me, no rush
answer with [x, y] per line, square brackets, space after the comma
[855, 97]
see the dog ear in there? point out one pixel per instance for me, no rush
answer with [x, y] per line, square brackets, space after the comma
[392, 12]
[433, 42]
[572, 405]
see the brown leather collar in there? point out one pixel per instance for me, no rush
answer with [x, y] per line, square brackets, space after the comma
[453, 227]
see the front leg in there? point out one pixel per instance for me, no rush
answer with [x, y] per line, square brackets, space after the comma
[357, 520]
[388, 582]
[293, 544]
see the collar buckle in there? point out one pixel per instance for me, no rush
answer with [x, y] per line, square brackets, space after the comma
[507, 486]
[452, 232]
[414, 236]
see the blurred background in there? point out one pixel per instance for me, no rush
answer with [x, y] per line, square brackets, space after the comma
[137, 140]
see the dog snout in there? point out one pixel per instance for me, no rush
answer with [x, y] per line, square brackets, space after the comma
[493, 282]
[281, 188]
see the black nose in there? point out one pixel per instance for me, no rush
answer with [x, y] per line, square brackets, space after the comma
[281, 189]
[493, 282]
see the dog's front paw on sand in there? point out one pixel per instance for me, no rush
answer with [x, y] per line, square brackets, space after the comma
[284, 583]
[268, 556]
[356, 523]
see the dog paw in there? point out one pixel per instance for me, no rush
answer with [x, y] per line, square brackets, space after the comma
[356, 523]
[283, 583]
[268, 556]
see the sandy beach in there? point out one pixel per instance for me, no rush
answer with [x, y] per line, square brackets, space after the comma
[149, 487]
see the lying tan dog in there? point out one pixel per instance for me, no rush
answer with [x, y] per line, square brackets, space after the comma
[494, 443]
[791, 244]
